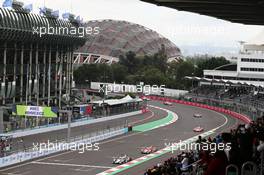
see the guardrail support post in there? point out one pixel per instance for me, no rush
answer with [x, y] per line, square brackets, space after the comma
[69, 126]
[1, 120]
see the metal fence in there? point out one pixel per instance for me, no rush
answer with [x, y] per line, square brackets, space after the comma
[18, 123]
[19, 146]
[248, 168]
[252, 111]
[48, 149]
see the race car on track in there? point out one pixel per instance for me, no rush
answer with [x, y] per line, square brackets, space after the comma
[146, 99]
[167, 103]
[121, 159]
[197, 115]
[148, 150]
[198, 129]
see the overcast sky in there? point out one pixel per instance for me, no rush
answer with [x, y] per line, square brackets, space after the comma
[183, 28]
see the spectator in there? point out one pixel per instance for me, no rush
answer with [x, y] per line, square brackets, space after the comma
[260, 148]
[247, 143]
[218, 164]
[184, 163]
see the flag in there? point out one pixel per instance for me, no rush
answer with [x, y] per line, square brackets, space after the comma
[28, 7]
[66, 15]
[7, 3]
[88, 110]
[42, 11]
[56, 13]
[79, 19]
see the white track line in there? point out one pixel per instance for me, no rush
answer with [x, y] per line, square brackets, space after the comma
[73, 165]
[67, 152]
[190, 140]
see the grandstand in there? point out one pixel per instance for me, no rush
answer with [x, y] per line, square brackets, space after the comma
[118, 37]
[37, 72]
[34, 69]
[243, 142]
[238, 86]
[240, 82]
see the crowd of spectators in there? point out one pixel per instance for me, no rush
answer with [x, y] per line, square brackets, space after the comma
[243, 95]
[246, 144]
[5, 146]
[174, 165]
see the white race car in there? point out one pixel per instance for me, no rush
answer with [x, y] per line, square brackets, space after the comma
[198, 129]
[121, 159]
[148, 150]
[197, 115]
[167, 103]
[146, 99]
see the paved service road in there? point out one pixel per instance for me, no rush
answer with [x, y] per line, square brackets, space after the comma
[93, 162]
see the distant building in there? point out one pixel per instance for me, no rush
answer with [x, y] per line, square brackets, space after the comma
[246, 68]
[118, 37]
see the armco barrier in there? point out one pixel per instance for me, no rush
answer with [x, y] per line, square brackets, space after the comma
[24, 156]
[217, 109]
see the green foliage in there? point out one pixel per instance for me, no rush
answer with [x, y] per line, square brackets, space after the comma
[150, 69]
[207, 63]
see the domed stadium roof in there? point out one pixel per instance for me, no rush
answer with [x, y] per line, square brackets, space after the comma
[118, 37]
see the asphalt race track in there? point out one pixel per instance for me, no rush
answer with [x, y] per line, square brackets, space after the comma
[90, 128]
[93, 162]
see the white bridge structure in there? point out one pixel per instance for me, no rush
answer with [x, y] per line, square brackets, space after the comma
[81, 58]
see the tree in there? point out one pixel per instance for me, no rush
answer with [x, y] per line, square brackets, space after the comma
[209, 63]
[151, 69]
[130, 61]
[119, 73]
[153, 76]
[86, 73]
[184, 69]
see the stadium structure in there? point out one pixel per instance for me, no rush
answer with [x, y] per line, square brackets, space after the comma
[34, 69]
[118, 37]
[119, 131]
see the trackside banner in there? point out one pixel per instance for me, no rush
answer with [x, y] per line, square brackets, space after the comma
[35, 111]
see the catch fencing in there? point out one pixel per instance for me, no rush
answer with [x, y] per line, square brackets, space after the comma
[34, 153]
